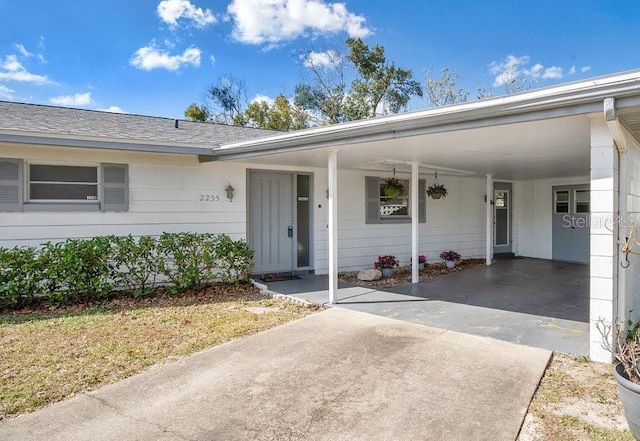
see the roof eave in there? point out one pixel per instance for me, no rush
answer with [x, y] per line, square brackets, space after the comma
[111, 144]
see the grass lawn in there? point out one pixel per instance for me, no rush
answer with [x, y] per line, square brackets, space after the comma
[49, 354]
[576, 400]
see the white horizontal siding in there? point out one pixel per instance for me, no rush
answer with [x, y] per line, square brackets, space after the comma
[454, 223]
[165, 192]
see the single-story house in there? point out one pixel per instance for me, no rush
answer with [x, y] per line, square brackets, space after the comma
[551, 173]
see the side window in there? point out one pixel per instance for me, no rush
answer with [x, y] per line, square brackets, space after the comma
[561, 201]
[387, 203]
[582, 201]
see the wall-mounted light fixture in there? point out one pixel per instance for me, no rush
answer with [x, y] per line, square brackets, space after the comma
[229, 189]
[485, 199]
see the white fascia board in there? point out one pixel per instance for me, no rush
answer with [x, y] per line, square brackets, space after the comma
[103, 143]
[568, 99]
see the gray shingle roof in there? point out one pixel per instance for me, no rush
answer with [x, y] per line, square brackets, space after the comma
[57, 121]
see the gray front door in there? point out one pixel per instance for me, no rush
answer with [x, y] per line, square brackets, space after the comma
[570, 229]
[270, 221]
[502, 208]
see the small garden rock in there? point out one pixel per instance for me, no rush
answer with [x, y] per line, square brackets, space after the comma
[370, 275]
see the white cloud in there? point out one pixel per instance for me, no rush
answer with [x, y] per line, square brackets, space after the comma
[170, 11]
[212, 59]
[149, 58]
[267, 99]
[553, 72]
[584, 69]
[269, 21]
[513, 67]
[5, 92]
[322, 59]
[78, 99]
[509, 69]
[25, 53]
[12, 70]
[113, 109]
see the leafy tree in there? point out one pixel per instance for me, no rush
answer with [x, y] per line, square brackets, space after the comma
[280, 115]
[381, 87]
[322, 96]
[444, 90]
[229, 97]
[197, 113]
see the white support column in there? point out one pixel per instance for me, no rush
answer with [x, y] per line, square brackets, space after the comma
[604, 225]
[489, 238]
[332, 168]
[415, 218]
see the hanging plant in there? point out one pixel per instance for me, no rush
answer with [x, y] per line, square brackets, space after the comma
[392, 188]
[437, 190]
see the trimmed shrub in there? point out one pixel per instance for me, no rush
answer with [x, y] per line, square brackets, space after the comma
[234, 259]
[78, 270]
[136, 263]
[21, 276]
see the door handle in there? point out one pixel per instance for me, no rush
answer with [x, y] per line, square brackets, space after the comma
[289, 231]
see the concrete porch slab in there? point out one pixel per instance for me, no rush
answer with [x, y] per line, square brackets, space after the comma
[535, 302]
[335, 375]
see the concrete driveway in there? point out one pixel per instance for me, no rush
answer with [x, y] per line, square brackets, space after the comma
[335, 375]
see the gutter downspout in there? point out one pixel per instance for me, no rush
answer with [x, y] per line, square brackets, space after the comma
[613, 123]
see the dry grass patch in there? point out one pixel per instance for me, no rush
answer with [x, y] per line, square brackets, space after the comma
[576, 400]
[50, 354]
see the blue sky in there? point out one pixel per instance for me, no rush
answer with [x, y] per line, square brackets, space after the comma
[155, 57]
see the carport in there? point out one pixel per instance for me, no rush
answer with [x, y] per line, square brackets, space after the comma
[536, 302]
[570, 153]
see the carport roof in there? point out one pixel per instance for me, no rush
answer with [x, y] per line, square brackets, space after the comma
[536, 134]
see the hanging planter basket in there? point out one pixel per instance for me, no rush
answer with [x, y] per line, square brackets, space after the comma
[437, 190]
[392, 188]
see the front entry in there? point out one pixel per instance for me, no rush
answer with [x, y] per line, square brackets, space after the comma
[502, 208]
[270, 221]
[279, 221]
[570, 230]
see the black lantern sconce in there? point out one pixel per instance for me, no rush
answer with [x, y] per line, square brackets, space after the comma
[229, 189]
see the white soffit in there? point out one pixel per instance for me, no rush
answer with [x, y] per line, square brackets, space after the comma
[549, 148]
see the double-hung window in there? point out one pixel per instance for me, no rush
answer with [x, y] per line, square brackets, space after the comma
[39, 186]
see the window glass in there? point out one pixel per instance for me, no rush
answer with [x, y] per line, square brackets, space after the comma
[583, 201]
[394, 198]
[63, 183]
[562, 201]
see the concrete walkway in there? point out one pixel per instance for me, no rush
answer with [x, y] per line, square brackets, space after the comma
[335, 375]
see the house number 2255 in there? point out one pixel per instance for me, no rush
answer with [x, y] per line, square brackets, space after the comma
[209, 198]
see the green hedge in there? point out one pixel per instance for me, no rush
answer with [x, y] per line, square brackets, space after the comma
[78, 270]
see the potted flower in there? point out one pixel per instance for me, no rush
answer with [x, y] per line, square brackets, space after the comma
[625, 348]
[386, 264]
[437, 191]
[393, 188]
[422, 261]
[451, 258]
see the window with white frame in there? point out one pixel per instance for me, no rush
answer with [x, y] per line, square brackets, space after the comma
[38, 186]
[62, 183]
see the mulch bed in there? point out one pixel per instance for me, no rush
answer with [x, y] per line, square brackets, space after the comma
[402, 275]
[214, 292]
